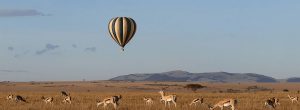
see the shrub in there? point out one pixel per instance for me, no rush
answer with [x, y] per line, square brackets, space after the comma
[194, 87]
[232, 91]
[256, 88]
[285, 90]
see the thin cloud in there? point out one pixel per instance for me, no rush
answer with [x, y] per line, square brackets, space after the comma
[10, 48]
[21, 54]
[90, 49]
[16, 12]
[14, 71]
[74, 45]
[48, 47]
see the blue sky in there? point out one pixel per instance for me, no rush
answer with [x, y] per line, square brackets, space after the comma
[69, 40]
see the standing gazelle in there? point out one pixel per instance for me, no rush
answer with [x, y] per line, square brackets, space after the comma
[272, 102]
[168, 98]
[149, 101]
[293, 99]
[114, 100]
[197, 100]
[47, 100]
[225, 103]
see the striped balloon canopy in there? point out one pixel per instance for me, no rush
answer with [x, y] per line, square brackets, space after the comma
[122, 30]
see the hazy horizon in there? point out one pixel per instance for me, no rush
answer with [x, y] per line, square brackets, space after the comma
[69, 40]
[136, 73]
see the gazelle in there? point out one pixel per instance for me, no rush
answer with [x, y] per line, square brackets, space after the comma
[161, 100]
[117, 99]
[293, 99]
[168, 98]
[47, 100]
[197, 100]
[149, 101]
[20, 99]
[272, 102]
[114, 100]
[65, 94]
[67, 99]
[225, 103]
[10, 97]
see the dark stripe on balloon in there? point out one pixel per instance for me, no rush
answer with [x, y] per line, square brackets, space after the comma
[121, 31]
[128, 30]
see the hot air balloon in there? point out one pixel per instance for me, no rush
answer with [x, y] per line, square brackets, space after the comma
[122, 30]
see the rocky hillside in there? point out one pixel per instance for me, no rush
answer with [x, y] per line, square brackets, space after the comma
[184, 76]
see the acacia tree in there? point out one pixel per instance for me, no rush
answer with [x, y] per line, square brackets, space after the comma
[194, 87]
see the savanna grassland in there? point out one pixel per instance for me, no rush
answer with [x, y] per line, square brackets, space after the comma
[251, 96]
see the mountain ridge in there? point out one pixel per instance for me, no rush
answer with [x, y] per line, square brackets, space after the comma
[184, 76]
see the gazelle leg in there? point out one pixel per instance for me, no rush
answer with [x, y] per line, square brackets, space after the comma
[232, 108]
[115, 106]
[104, 105]
[174, 102]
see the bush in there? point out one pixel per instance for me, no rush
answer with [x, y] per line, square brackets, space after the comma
[232, 91]
[194, 87]
[285, 90]
[256, 88]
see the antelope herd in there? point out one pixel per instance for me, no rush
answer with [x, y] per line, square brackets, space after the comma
[272, 102]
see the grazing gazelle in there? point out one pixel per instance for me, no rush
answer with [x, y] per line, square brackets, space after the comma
[293, 99]
[20, 99]
[149, 101]
[168, 98]
[47, 100]
[272, 102]
[197, 100]
[114, 100]
[225, 103]
[67, 99]
[117, 99]
[10, 97]
[63, 93]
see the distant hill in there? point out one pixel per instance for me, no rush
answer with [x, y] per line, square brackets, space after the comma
[294, 79]
[184, 76]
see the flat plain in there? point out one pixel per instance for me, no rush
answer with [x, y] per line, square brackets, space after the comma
[85, 94]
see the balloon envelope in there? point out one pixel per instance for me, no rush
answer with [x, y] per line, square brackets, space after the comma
[122, 30]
